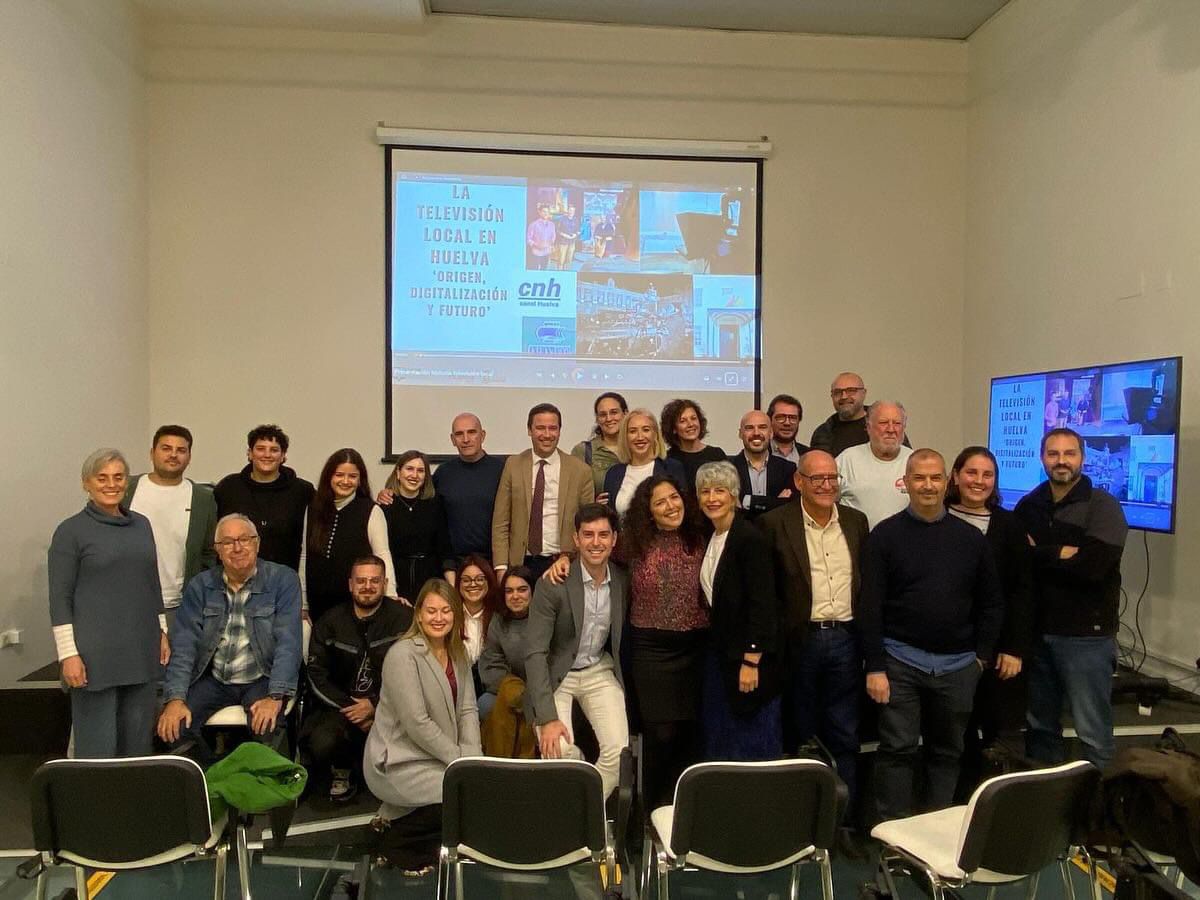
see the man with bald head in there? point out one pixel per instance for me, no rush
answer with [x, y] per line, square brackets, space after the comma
[930, 616]
[847, 427]
[766, 479]
[873, 473]
[467, 486]
[817, 544]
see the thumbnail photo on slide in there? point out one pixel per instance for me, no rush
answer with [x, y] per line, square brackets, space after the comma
[582, 226]
[696, 231]
[626, 316]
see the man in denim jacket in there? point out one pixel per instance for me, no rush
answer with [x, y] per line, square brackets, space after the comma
[236, 640]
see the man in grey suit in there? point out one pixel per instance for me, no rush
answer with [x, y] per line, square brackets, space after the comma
[817, 544]
[573, 648]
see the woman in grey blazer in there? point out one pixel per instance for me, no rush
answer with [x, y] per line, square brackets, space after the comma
[426, 719]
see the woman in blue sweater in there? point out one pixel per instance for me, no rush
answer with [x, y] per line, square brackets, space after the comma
[107, 615]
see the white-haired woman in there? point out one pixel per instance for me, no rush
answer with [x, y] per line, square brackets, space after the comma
[107, 615]
[741, 708]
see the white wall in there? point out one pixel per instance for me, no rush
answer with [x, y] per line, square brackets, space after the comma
[73, 347]
[266, 203]
[1083, 222]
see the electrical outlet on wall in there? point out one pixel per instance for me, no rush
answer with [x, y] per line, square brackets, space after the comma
[10, 638]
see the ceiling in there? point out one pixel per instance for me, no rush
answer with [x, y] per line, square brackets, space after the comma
[953, 19]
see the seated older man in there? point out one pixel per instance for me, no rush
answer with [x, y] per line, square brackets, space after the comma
[236, 640]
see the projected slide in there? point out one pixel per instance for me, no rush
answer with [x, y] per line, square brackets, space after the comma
[1128, 416]
[535, 274]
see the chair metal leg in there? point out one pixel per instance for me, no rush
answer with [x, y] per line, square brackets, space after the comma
[1180, 878]
[1031, 885]
[81, 890]
[664, 887]
[43, 880]
[826, 875]
[1064, 866]
[243, 862]
[991, 892]
[458, 879]
[443, 887]
[647, 866]
[794, 882]
[885, 869]
[938, 889]
[220, 862]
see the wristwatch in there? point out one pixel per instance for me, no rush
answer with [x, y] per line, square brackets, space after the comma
[282, 698]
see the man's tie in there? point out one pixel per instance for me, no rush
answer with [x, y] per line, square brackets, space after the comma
[534, 544]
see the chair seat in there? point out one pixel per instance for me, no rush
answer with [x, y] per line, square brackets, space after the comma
[662, 820]
[933, 838]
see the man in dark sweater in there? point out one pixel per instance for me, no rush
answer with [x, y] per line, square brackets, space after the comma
[270, 494]
[345, 661]
[1078, 535]
[931, 611]
[467, 486]
[847, 427]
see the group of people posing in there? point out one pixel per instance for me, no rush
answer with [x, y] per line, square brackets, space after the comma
[724, 607]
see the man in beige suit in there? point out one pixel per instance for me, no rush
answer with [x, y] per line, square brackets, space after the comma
[540, 491]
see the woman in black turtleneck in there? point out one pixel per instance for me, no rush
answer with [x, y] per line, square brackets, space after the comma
[416, 527]
[342, 524]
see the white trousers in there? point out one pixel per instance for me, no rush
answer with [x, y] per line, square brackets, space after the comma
[602, 700]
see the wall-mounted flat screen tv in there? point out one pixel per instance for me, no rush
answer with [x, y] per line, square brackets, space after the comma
[1128, 416]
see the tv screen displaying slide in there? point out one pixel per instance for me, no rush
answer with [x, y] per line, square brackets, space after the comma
[1127, 415]
[518, 278]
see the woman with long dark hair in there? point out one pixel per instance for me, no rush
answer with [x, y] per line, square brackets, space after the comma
[684, 427]
[664, 538]
[502, 670]
[973, 495]
[417, 533]
[342, 524]
[600, 450]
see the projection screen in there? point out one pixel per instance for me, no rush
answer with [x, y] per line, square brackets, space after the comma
[515, 278]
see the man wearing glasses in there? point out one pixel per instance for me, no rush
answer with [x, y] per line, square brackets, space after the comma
[345, 661]
[785, 413]
[817, 543]
[847, 427]
[236, 640]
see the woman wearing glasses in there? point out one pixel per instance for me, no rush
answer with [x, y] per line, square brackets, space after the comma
[741, 685]
[480, 591]
[107, 615]
[600, 450]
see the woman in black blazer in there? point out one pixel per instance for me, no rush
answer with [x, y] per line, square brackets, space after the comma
[974, 496]
[741, 706]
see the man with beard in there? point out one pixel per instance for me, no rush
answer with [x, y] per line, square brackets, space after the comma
[346, 657]
[766, 479]
[930, 616]
[1077, 532]
[847, 427]
[785, 413]
[873, 473]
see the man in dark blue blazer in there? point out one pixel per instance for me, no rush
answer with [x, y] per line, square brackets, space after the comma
[766, 479]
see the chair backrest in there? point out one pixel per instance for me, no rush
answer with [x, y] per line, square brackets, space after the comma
[1019, 823]
[754, 814]
[119, 811]
[523, 812]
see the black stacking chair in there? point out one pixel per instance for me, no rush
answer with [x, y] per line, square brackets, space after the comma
[119, 814]
[1012, 828]
[521, 815]
[741, 818]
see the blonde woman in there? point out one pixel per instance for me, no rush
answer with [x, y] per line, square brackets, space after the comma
[643, 454]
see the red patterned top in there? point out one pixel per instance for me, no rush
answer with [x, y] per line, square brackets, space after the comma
[665, 585]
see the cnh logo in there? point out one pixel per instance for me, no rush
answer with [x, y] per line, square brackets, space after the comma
[550, 290]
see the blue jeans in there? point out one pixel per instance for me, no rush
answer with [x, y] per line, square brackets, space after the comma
[207, 696]
[826, 684]
[114, 722]
[1078, 670]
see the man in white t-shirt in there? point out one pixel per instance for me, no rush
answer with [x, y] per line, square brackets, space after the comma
[182, 514]
[873, 473]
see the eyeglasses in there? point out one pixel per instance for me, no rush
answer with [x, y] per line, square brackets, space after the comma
[828, 480]
[785, 417]
[238, 542]
[477, 581]
[849, 392]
